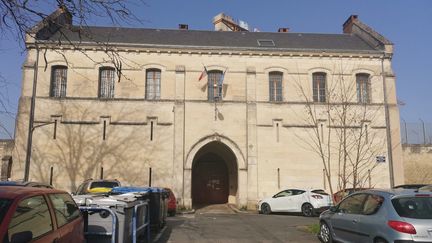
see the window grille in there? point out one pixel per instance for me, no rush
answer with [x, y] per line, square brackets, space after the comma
[58, 81]
[153, 83]
[275, 86]
[106, 82]
[319, 87]
[363, 88]
[214, 85]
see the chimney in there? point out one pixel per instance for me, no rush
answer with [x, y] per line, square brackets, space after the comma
[347, 26]
[283, 30]
[61, 18]
[183, 27]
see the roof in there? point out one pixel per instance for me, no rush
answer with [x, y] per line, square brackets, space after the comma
[214, 39]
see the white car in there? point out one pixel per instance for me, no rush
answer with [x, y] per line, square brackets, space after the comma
[307, 202]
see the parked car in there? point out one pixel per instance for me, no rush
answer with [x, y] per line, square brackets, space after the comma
[379, 216]
[410, 186]
[338, 196]
[172, 203]
[307, 202]
[94, 185]
[39, 215]
[25, 183]
[427, 188]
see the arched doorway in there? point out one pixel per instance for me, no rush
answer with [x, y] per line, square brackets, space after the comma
[214, 175]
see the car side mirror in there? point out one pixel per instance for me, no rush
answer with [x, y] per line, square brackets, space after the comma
[22, 237]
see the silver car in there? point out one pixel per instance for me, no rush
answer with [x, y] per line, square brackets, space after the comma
[394, 215]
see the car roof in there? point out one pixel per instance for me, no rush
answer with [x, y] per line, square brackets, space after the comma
[101, 180]
[394, 192]
[12, 192]
[25, 183]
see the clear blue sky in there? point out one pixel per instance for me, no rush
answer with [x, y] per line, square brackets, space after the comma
[405, 23]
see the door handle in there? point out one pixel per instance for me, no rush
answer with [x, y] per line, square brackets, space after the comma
[354, 221]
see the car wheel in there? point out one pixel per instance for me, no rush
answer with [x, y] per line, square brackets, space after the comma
[380, 240]
[307, 210]
[325, 234]
[265, 208]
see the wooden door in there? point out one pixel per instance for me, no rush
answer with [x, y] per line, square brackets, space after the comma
[210, 183]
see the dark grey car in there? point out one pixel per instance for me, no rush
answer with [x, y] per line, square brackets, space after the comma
[379, 216]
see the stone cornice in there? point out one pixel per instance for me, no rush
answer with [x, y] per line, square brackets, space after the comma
[210, 50]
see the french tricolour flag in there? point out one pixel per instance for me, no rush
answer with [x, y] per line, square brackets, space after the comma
[203, 74]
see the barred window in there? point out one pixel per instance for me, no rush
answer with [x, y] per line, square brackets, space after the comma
[319, 87]
[106, 82]
[58, 81]
[363, 88]
[275, 86]
[215, 85]
[153, 84]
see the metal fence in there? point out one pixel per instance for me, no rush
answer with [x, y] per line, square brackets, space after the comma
[416, 132]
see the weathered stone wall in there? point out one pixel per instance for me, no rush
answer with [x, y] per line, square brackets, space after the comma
[417, 164]
[6, 149]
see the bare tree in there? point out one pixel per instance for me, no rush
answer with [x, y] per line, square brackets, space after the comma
[23, 19]
[81, 148]
[339, 128]
[19, 17]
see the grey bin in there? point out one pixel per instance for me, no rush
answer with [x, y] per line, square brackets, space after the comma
[158, 201]
[100, 222]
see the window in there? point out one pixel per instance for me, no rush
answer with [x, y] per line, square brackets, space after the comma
[284, 193]
[363, 88]
[58, 81]
[65, 208]
[275, 86]
[414, 207]
[106, 82]
[372, 204]
[353, 204]
[153, 83]
[266, 43]
[215, 85]
[319, 87]
[31, 217]
[4, 206]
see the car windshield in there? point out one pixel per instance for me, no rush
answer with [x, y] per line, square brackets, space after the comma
[413, 207]
[322, 192]
[106, 184]
[4, 206]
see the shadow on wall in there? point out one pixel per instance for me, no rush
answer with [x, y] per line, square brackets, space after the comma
[83, 146]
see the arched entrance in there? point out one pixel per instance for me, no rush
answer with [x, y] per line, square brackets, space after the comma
[214, 175]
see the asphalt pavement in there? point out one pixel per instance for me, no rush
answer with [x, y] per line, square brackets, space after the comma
[215, 225]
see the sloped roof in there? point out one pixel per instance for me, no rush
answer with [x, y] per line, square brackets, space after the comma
[215, 39]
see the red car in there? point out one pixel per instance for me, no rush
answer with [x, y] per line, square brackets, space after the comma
[39, 215]
[172, 203]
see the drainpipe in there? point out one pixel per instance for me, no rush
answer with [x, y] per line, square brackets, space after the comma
[31, 118]
[387, 121]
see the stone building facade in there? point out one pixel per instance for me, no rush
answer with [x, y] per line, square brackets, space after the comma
[6, 150]
[218, 116]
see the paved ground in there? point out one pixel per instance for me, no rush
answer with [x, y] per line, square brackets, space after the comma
[219, 224]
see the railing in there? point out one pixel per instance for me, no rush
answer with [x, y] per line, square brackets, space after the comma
[416, 132]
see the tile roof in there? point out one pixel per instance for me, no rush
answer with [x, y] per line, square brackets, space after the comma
[217, 39]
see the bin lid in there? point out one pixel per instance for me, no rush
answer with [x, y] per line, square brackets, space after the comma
[129, 189]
